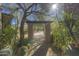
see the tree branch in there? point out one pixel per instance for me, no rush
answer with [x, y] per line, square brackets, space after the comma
[20, 6]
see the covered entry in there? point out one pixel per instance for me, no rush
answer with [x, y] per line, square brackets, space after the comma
[47, 36]
[47, 29]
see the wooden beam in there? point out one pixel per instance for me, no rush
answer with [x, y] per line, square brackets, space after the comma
[47, 33]
[30, 31]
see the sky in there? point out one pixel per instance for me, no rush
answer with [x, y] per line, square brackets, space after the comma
[32, 17]
[14, 21]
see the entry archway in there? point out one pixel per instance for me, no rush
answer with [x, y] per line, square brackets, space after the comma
[47, 29]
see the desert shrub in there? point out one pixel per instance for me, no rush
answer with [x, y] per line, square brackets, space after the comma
[6, 36]
[61, 38]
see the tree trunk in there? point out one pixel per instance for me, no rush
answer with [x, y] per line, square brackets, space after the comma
[22, 29]
[19, 45]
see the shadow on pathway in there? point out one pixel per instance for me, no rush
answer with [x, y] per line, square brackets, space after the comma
[42, 51]
[74, 52]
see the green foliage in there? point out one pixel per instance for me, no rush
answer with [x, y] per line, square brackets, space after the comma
[68, 20]
[38, 27]
[71, 21]
[61, 37]
[24, 43]
[65, 32]
[6, 35]
[68, 16]
[76, 26]
[21, 51]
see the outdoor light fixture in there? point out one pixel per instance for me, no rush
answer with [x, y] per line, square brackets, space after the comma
[54, 6]
[55, 9]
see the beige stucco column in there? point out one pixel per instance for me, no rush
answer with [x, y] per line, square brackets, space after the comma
[47, 32]
[30, 31]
